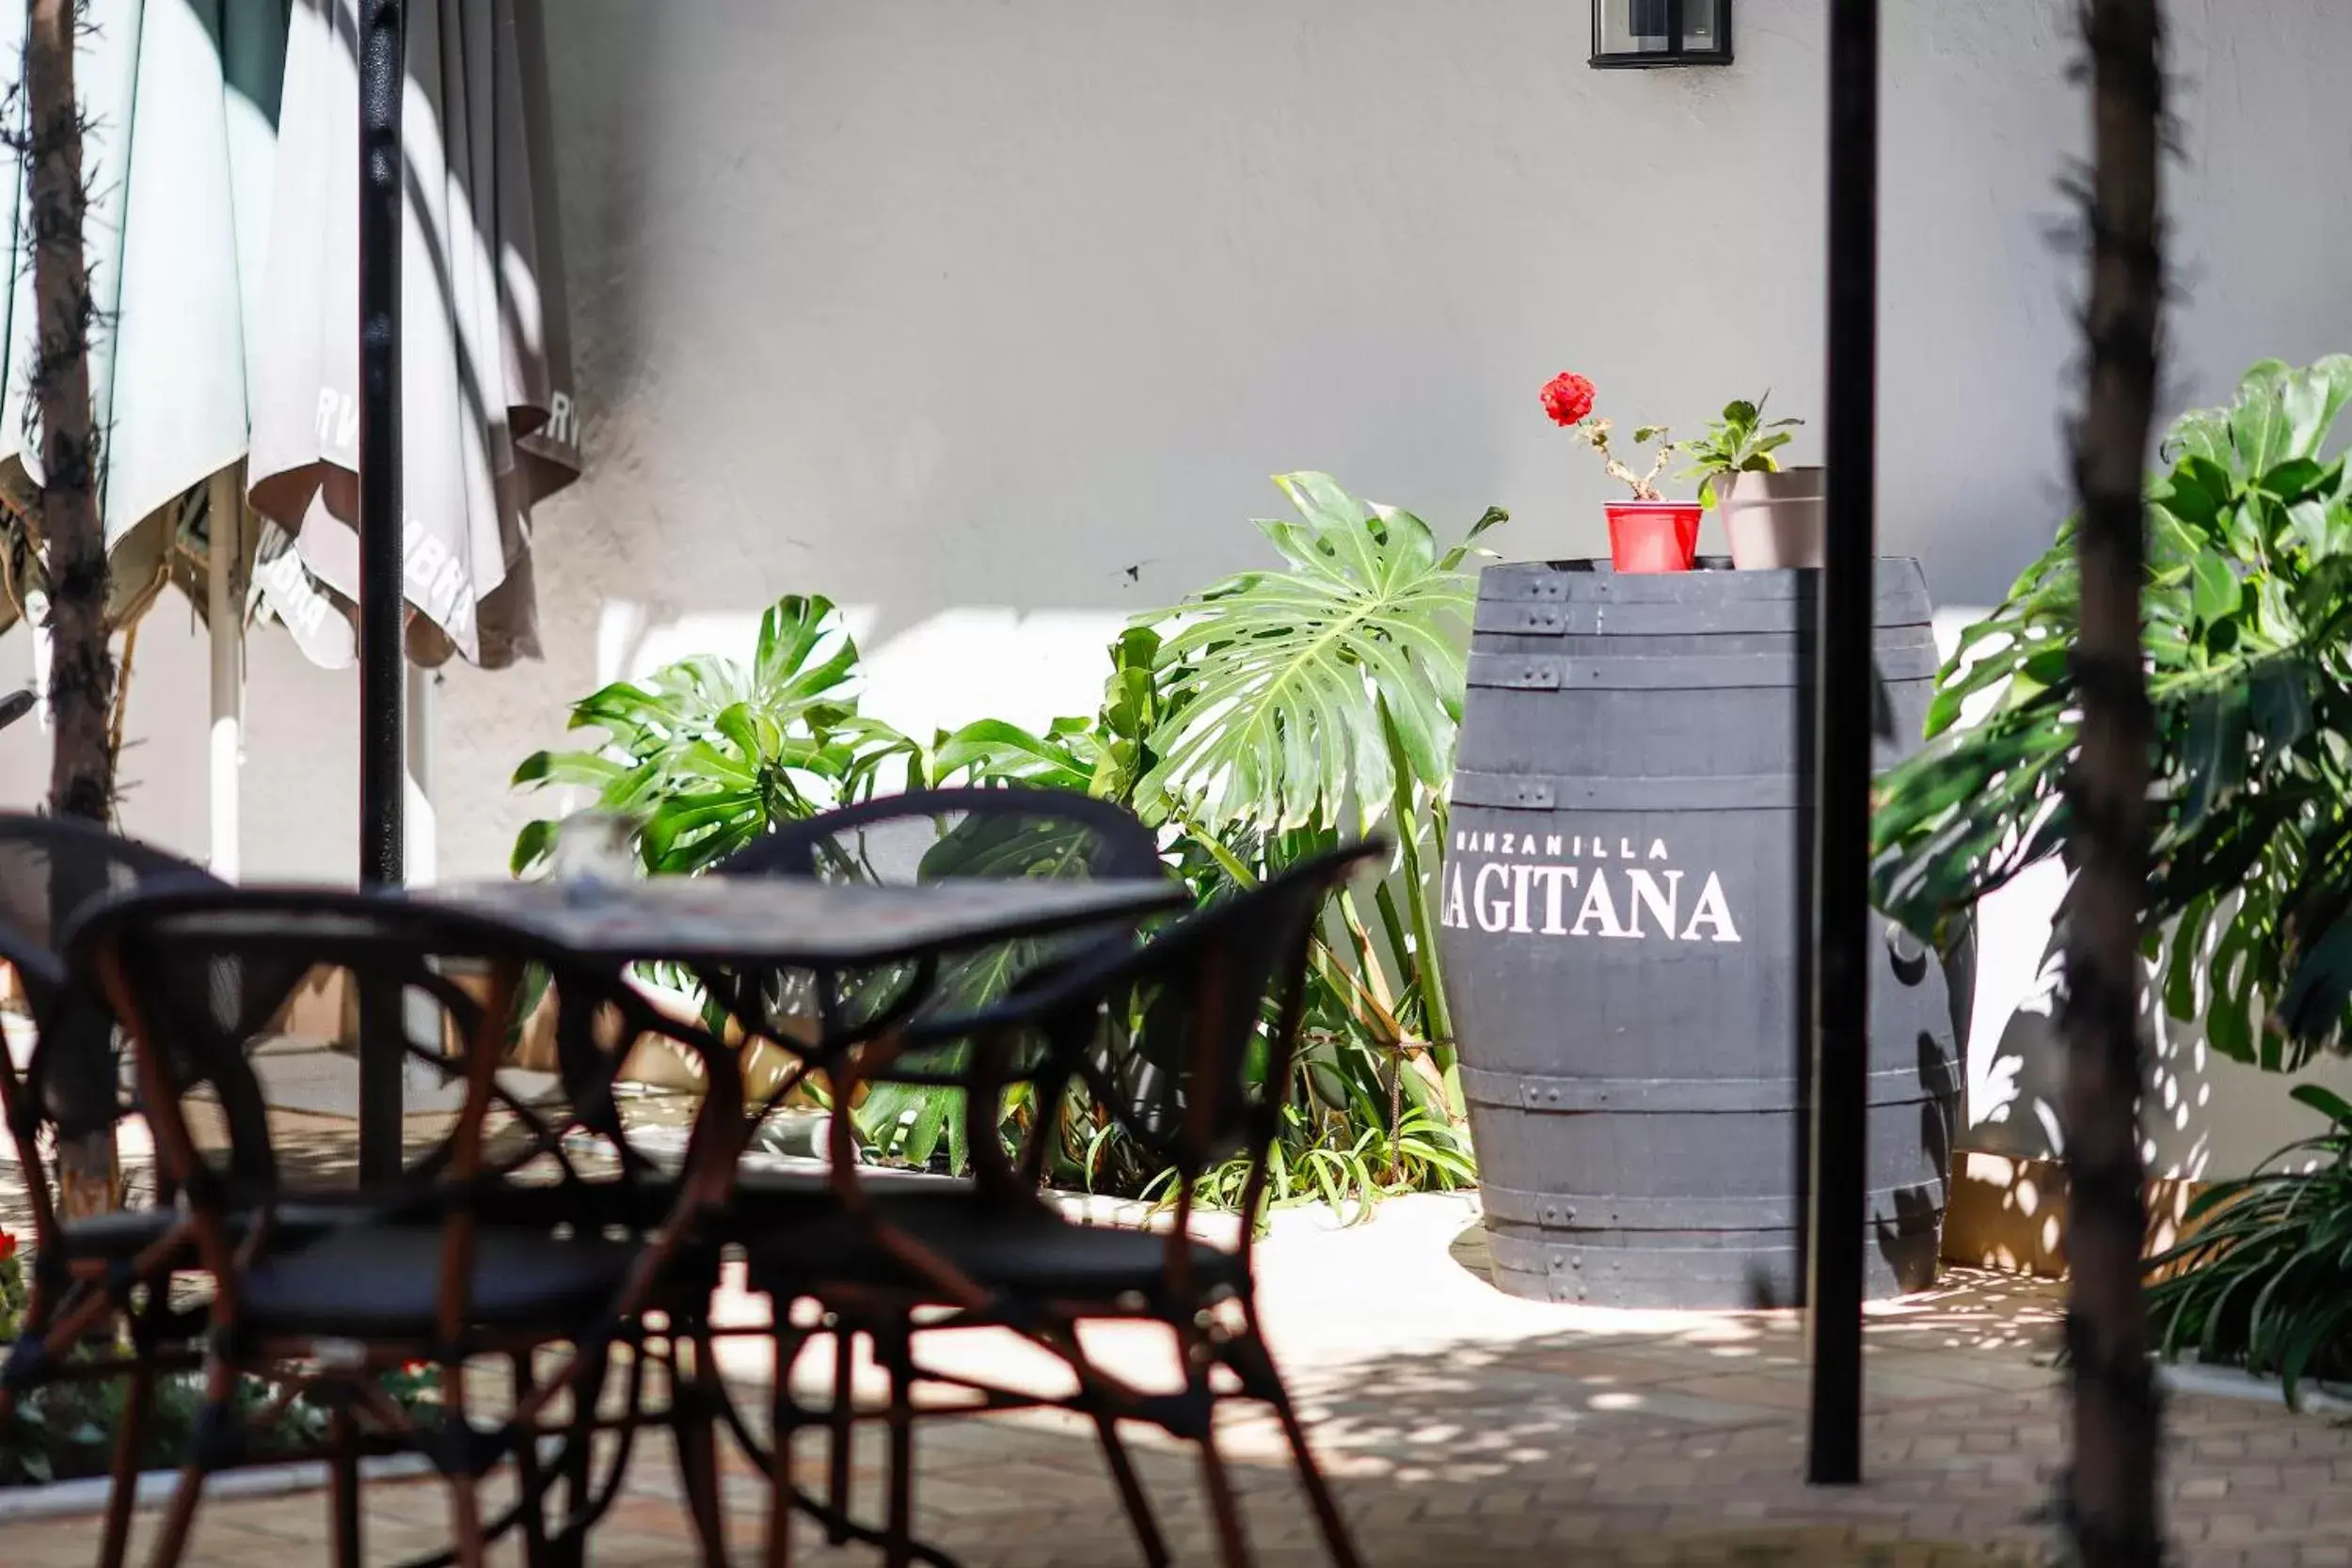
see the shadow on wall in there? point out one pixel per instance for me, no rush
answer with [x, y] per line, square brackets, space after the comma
[2016, 1082]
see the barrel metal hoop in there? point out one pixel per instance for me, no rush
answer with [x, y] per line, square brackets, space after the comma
[1893, 1086]
[1553, 615]
[1677, 793]
[1616, 1211]
[1634, 671]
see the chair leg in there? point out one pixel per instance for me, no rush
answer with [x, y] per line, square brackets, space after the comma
[171, 1540]
[123, 1492]
[342, 1469]
[531, 1484]
[1131, 1494]
[785, 1418]
[464, 1500]
[692, 1424]
[1224, 1507]
[844, 1429]
[1336, 1538]
[577, 1460]
[895, 1342]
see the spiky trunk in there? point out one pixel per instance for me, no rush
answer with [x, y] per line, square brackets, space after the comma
[2112, 1488]
[81, 779]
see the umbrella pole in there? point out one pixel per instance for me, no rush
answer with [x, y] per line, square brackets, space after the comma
[383, 667]
[224, 610]
[1842, 724]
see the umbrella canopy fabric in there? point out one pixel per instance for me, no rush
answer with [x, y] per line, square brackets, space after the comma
[489, 427]
[181, 100]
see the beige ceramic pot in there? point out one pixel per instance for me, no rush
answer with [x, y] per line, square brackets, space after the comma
[1775, 520]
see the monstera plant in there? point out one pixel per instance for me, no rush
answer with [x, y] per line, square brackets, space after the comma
[1253, 724]
[2248, 636]
[709, 753]
[1321, 700]
[1263, 719]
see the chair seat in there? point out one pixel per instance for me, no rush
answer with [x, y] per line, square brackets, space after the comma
[122, 1235]
[765, 1197]
[1027, 1249]
[384, 1281]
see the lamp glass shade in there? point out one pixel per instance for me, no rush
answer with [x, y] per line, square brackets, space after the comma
[1644, 32]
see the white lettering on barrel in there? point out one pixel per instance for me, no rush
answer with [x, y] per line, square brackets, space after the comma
[1496, 915]
[1553, 877]
[1712, 910]
[1499, 894]
[1599, 906]
[1660, 902]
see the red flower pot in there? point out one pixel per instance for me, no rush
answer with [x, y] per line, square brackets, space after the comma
[1653, 537]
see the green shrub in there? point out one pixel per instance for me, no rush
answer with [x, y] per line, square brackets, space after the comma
[2248, 637]
[2263, 1280]
[1256, 723]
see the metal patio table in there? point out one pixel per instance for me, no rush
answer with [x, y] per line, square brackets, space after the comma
[771, 923]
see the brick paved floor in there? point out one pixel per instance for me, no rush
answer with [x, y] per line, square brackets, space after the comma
[1466, 1428]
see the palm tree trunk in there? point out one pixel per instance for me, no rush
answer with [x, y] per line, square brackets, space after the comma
[81, 779]
[2112, 1486]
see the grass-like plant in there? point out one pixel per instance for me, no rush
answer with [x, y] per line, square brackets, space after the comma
[2264, 1277]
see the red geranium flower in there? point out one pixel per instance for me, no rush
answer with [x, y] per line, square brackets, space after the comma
[1567, 398]
[7, 1246]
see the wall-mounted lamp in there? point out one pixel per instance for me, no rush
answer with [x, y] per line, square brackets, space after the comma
[1644, 33]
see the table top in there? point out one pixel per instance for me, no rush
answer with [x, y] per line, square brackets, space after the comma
[795, 921]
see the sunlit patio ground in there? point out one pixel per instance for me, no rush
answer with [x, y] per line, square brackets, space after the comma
[1467, 1428]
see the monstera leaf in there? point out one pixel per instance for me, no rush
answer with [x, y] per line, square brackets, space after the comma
[2247, 611]
[709, 752]
[1293, 691]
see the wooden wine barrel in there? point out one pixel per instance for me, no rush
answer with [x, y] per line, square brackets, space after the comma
[1627, 871]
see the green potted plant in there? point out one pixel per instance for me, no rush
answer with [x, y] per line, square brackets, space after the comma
[1773, 514]
[1647, 533]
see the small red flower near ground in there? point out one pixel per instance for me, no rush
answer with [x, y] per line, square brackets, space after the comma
[7, 1246]
[1567, 398]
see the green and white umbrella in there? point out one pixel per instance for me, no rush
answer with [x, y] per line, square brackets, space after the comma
[180, 102]
[489, 428]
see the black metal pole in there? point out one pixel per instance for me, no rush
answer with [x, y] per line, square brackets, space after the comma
[1842, 776]
[383, 671]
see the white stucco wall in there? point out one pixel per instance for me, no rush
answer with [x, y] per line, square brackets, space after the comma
[990, 319]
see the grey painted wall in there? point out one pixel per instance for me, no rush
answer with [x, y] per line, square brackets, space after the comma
[989, 318]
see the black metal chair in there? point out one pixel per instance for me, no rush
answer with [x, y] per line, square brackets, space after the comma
[1163, 1038]
[482, 1247]
[940, 836]
[87, 1267]
[912, 838]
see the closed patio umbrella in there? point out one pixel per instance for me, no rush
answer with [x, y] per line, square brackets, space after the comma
[180, 101]
[488, 427]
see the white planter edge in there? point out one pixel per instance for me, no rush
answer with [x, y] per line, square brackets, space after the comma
[2235, 1383]
[88, 1494]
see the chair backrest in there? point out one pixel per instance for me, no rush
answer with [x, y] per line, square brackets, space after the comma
[1187, 1041]
[1177, 1056]
[205, 1095]
[51, 868]
[190, 1067]
[944, 834]
[931, 834]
